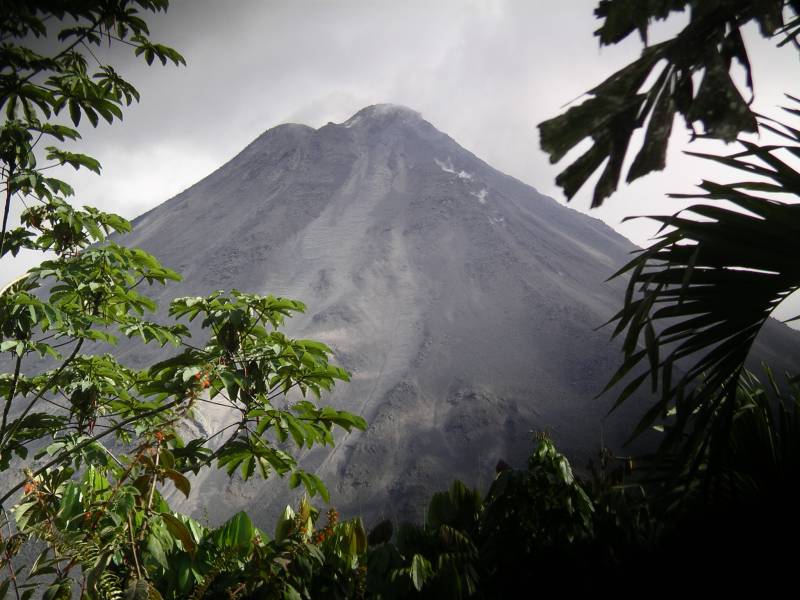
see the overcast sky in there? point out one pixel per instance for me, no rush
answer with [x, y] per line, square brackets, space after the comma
[484, 71]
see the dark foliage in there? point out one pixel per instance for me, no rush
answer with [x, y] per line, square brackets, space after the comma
[651, 91]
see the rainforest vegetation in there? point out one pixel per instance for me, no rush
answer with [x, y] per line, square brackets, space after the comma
[88, 444]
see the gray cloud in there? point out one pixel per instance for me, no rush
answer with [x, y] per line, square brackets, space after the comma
[486, 72]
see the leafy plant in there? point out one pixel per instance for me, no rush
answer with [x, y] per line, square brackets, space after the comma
[704, 290]
[106, 438]
[532, 523]
[757, 462]
[662, 84]
[698, 297]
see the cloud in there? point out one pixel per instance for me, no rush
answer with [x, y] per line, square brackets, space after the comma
[484, 71]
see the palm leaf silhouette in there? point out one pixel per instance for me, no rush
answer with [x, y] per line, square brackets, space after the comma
[700, 295]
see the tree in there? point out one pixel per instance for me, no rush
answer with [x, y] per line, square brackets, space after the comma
[107, 438]
[680, 301]
[535, 529]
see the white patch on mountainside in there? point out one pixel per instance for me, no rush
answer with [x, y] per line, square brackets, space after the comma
[447, 167]
[481, 195]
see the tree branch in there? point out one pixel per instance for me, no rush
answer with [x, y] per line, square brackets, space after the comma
[38, 396]
[12, 390]
[67, 453]
[6, 210]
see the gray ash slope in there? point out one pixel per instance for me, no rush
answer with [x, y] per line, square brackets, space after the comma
[463, 301]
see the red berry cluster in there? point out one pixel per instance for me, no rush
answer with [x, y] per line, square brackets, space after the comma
[203, 378]
[324, 534]
[333, 517]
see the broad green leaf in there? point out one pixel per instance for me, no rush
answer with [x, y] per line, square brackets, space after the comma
[156, 551]
[236, 533]
[181, 482]
[180, 531]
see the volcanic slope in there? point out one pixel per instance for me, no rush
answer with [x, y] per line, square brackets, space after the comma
[463, 302]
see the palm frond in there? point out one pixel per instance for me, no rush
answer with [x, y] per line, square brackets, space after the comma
[700, 295]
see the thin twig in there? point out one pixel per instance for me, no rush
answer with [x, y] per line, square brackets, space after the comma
[67, 453]
[6, 209]
[9, 562]
[12, 390]
[38, 396]
[155, 479]
[133, 548]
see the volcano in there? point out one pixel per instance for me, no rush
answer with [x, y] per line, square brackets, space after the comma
[464, 303]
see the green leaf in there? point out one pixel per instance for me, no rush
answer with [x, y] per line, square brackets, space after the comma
[59, 590]
[285, 524]
[653, 154]
[74, 111]
[236, 533]
[176, 527]
[73, 159]
[41, 566]
[291, 593]
[137, 589]
[181, 482]
[233, 383]
[156, 551]
[420, 571]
